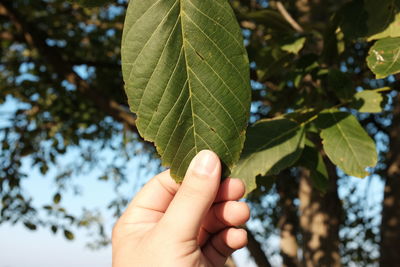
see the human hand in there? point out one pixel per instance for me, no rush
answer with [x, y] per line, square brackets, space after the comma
[192, 224]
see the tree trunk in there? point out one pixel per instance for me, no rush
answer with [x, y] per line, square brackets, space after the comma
[319, 221]
[256, 251]
[288, 222]
[390, 227]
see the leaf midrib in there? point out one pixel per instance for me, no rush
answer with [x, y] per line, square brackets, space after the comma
[395, 58]
[181, 13]
[347, 141]
[185, 45]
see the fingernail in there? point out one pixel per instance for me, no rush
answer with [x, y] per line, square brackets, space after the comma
[205, 162]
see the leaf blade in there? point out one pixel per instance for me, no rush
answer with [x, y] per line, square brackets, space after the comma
[346, 143]
[368, 101]
[187, 78]
[384, 57]
[271, 146]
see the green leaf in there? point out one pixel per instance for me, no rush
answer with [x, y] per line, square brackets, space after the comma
[69, 235]
[384, 57]
[30, 226]
[312, 160]
[369, 101]
[270, 62]
[271, 146]
[380, 14]
[352, 19]
[393, 30]
[340, 83]
[57, 198]
[294, 46]
[364, 18]
[346, 143]
[186, 76]
[54, 229]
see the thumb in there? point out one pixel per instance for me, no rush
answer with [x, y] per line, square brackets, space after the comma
[194, 198]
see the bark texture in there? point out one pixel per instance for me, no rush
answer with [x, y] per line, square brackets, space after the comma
[390, 227]
[288, 222]
[320, 217]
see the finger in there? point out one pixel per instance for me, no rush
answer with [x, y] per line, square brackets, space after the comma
[222, 245]
[193, 200]
[222, 215]
[230, 189]
[153, 200]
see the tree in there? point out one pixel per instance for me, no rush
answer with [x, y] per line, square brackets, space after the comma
[390, 234]
[315, 102]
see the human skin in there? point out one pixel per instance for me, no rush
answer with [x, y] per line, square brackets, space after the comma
[192, 224]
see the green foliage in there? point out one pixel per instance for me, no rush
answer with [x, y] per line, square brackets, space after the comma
[346, 143]
[69, 235]
[393, 30]
[30, 226]
[294, 46]
[270, 147]
[341, 84]
[169, 71]
[369, 101]
[57, 198]
[48, 113]
[54, 229]
[365, 18]
[384, 57]
[187, 79]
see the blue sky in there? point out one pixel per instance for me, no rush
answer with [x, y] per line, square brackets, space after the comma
[20, 247]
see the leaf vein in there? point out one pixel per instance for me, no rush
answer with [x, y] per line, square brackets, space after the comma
[222, 80]
[166, 88]
[217, 47]
[151, 36]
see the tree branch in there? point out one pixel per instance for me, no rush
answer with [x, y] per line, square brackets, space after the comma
[256, 252]
[281, 8]
[36, 39]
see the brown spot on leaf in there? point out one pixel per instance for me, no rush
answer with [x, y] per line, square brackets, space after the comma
[200, 56]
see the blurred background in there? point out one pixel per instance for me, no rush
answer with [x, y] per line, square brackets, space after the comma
[71, 158]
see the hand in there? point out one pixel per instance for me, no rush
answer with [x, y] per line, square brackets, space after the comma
[192, 224]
